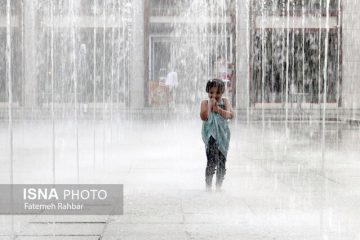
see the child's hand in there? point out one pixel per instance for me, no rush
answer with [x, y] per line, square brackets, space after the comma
[213, 105]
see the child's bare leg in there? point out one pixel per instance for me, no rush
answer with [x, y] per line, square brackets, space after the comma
[221, 170]
[212, 155]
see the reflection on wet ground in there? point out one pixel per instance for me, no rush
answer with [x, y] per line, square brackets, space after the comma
[280, 183]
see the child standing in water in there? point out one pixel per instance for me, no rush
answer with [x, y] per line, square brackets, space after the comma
[215, 131]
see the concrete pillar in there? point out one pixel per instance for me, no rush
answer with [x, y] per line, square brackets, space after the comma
[351, 58]
[242, 54]
[137, 82]
[30, 81]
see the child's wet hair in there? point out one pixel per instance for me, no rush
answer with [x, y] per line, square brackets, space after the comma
[215, 83]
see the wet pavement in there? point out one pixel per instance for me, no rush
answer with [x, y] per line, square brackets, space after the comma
[300, 183]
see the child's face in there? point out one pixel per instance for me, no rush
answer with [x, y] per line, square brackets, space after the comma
[215, 93]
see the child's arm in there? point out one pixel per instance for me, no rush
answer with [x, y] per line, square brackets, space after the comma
[228, 112]
[204, 111]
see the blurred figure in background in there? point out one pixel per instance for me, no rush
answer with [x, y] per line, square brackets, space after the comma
[172, 82]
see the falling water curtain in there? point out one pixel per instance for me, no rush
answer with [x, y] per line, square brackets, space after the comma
[305, 46]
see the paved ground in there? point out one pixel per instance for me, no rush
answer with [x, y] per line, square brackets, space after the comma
[278, 185]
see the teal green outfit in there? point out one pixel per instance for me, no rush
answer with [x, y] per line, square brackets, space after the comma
[216, 136]
[217, 127]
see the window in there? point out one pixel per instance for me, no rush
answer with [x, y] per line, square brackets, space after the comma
[306, 49]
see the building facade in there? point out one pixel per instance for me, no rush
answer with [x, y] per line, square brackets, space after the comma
[117, 54]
